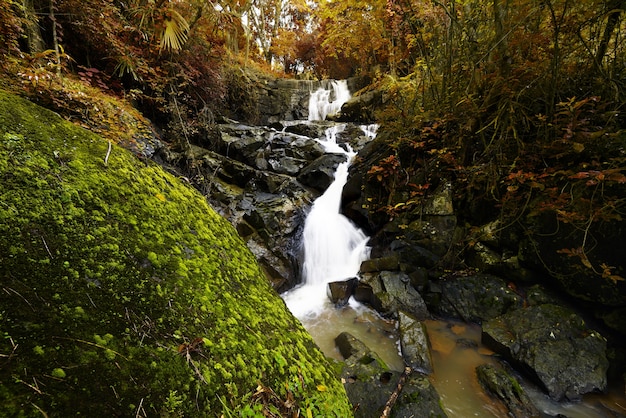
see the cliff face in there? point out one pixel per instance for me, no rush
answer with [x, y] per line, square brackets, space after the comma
[260, 99]
[124, 293]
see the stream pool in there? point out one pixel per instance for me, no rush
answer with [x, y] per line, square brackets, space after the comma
[456, 352]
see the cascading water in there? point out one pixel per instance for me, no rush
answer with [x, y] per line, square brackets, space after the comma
[333, 246]
[324, 102]
[333, 250]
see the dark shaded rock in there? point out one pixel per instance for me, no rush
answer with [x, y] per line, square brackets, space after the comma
[432, 232]
[417, 275]
[485, 259]
[475, 298]
[544, 251]
[390, 263]
[391, 291]
[418, 399]
[440, 203]
[369, 384]
[495, 251]
[341, 291]
[311, 129]
[365, 294]
[321, 172]
[500, 384]
[362, 108]
[554, 346]
[295, 146]
[241, 142]
[413, 254]
[414, 343]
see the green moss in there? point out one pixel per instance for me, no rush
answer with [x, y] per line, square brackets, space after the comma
[59, 373]
[123, 279]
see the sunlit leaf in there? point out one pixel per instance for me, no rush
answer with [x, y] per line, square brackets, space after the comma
[175, 29]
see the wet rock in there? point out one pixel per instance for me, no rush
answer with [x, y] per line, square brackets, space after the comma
[485, 259]
[361, 108]
[554, 346]
[391, 291]
[414, 343]
[440, 203]
[418, 399]
[321, 172]
[341, 291]
[390, 263]
[241, 142]
[413, 254]
[502, 385]
[475, 298]
[432, 232]
[369, 384]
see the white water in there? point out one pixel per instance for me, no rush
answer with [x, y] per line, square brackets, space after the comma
[333, 246]
[324, 103]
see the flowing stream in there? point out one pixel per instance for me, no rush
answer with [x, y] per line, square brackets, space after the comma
[334, 249]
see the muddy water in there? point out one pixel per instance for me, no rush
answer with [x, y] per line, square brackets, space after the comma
[456, 352]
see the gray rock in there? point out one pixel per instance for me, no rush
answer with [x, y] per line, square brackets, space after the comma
[505, 387]
[414, 343]
[341, 291]
[391, 262]
[432, 232]
[369, 384]
[476, 298]
[554, 346]
[361, 108]
[391, 291]
[440, 203]
[321, 172]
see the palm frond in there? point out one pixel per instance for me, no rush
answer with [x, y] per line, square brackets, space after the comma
[175, 29]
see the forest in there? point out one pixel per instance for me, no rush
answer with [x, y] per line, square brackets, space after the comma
[513, 100]
[518, 102]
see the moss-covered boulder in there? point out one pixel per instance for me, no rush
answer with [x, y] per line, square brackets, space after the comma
[122, 293]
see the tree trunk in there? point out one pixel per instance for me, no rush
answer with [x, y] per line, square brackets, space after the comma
[55, 38]
[34, 40]
[615, 12]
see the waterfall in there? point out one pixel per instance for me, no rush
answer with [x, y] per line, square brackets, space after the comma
[324, 102]
[333, 246]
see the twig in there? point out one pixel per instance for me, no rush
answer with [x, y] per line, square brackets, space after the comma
[394, 396]
[43, 413]
[93, 344]
[46, 245]
[140, 408]
[106, 157]
[8, 289]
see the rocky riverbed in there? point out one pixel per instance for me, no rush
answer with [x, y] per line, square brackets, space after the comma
[264, 179]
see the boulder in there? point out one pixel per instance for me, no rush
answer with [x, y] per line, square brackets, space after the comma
[369, 384]
[391, 291]
[320, 173]
[361, 108]
[554, 346]
[341, 291]
[475, 298]
[414, 343]
[126, 294]
[502, 385]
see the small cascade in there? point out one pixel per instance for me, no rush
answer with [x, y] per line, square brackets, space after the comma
[333, 246]
[323, 103]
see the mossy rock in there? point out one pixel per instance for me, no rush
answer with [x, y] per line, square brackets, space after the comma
[124, 294]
